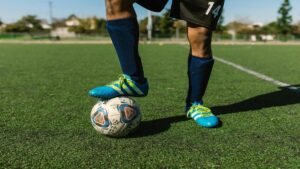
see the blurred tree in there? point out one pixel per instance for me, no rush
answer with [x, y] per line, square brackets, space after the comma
[72, 16]
[89, 26]
[271, 28]
[102, 26]
[58, 23]
[143, 25]
[1, 23]
[166, 23]
[239, 27]
[179, 25]
[17, 28]
[156, 25]
[297, 30]
[78, 29]
[27, 24]
[284, 21]
[82, 28]
[32, 22]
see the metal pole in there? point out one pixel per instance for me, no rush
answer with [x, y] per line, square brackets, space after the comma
[150, 25]
[51, 11]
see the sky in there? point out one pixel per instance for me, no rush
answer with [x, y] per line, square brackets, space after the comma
[262, 11]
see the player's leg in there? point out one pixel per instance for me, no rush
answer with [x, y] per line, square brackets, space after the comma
[123, 29]
[119, 9]
[202, 17]
[200, 64]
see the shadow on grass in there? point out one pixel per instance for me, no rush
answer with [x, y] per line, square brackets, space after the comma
[152, 127]
[282, 97]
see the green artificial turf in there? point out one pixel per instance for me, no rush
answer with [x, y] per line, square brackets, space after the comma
[45, 110]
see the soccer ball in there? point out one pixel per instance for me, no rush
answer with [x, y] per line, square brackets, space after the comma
[116, 117]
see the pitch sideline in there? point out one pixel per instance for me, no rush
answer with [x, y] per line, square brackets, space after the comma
[258, 75]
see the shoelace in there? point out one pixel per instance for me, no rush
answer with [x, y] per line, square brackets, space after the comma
[203, 111]
[120, 81]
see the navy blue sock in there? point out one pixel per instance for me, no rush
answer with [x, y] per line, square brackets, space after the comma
[124, 34]
[199, 70]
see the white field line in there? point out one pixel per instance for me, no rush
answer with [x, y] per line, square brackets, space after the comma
[258, 75]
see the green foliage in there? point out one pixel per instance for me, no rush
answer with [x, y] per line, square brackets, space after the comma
[101, 26]
[90, 26]
[166, 23]
[284, 21]
[271, 28]
[143, 24]
[239, 27]
[297, 29]
[27, 24]
[72, 16]
[18, 27]
[163, 25]
[58, 23]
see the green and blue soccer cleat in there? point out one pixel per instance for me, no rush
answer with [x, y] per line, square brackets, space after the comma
[202, 116]
[124, 86]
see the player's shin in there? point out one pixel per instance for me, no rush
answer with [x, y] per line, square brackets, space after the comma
[124, 34]
[199, 71]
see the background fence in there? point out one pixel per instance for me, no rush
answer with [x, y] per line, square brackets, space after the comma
[156, 37]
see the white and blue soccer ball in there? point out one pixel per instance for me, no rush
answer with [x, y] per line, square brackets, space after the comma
[116, 117]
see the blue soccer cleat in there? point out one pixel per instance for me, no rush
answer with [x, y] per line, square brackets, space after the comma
[124, 86]
[203, 116]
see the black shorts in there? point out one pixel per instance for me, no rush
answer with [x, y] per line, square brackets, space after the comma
[204, 13]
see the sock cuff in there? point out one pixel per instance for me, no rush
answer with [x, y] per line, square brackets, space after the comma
[203, 58]
[122, 23]
[198, 59]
